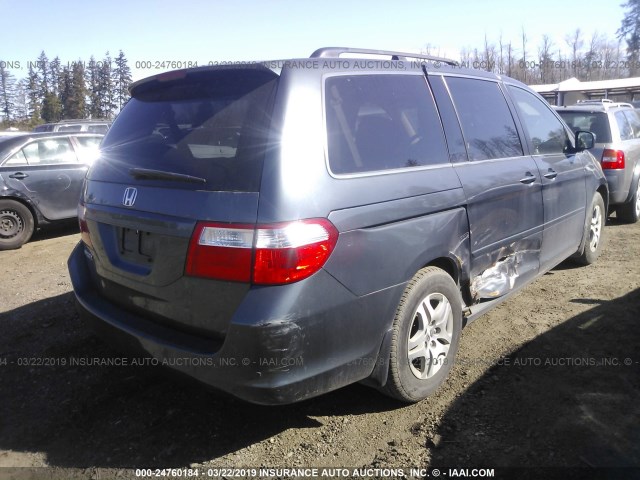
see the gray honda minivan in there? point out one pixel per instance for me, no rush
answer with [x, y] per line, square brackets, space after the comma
[281, 229]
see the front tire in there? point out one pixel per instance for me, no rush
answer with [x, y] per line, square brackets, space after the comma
[630, 212]
[594, 229]
[425, 336]
[16, 224]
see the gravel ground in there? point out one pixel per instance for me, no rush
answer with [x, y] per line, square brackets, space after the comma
[548, 379]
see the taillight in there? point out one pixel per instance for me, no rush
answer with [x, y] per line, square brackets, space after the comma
[221, 251]
[267, 255]
[612, 159]
[289, 252]
[84, 226]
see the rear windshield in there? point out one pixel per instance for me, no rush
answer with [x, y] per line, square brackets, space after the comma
[212, 125]
[47, 127]
[594, 122]
[70, 128]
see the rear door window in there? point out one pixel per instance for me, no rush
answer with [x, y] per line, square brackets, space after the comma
[624, 127]
[70, 128]
[488, 127]
[634, 122]
[17, 159]
[453, 133]
[50, 151]
[211, 124]
[381, 122]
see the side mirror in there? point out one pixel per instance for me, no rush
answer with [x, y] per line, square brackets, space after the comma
[584, 140]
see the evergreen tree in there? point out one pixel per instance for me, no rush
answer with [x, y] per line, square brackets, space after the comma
[33, 93]
[54, 76]
[7, 94]
[65, 92]
[43, 69]
[76, 102]
[21, 99]
[51, 108]
[630, 31]
[92, 76]
[122, 80]
[105, 88]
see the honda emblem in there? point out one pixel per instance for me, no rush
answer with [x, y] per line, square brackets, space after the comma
[129, 197]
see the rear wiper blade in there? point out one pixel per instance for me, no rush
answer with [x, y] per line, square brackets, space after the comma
[148, 174]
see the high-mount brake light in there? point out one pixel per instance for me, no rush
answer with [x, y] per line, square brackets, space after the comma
[172, 75]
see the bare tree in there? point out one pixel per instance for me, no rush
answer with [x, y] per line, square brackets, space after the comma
[510, 60]
[575, 42]
[593, 67]
[596, 57]
[547, 72]
[524, 56]
[500, 55]
[488, 56]
[465, 58]
[427, 49]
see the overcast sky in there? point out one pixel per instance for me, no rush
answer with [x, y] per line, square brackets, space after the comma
[150, 32]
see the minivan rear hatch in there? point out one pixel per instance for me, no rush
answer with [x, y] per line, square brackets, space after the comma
[189, 146]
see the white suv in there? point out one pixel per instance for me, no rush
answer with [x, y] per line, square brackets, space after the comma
[82, 125]
[616, 127]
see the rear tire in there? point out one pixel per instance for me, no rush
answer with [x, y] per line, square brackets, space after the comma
[16, 224]
[630, 212]
[593, 231]
[425, 336]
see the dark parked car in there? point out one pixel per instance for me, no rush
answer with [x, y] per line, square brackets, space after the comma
[41, 176]
[278, 230]
[616, 127]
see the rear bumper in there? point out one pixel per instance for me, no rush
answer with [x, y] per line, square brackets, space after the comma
[619, 182]
[284, 343]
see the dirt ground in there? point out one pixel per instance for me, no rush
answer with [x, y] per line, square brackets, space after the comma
[551, 378]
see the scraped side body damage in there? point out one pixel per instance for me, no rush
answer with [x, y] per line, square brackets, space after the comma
[502, 276]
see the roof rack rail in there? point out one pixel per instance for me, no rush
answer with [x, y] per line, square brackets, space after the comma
[599, 101]
[85, 120]
[605, 102]
[335, 52]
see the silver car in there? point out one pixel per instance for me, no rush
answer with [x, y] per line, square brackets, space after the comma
[81, 125]
[616, 127]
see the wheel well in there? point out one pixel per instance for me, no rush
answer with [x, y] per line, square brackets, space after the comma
[34, 214]
[378, 377]
[447, 265]
[634, 182]
[602, 190]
